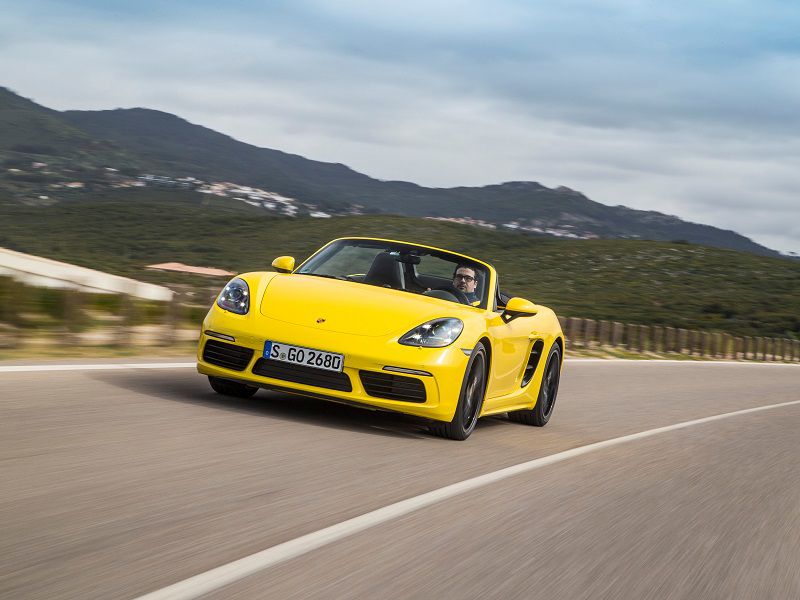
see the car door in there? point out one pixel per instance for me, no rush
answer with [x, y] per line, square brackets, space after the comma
[511, 345]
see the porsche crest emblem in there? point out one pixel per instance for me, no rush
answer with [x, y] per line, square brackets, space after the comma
[320, 320]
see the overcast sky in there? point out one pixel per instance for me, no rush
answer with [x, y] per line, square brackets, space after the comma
[688, 108]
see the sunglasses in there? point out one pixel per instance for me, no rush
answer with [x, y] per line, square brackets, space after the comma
[467, 278]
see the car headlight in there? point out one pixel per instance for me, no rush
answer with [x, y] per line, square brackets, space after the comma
[235, 297]
[434, 334]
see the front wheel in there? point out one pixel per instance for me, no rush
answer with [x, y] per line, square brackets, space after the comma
[540, 414]
[231, 388]
[469, 401]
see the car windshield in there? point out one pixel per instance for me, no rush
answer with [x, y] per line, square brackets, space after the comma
[403, 267]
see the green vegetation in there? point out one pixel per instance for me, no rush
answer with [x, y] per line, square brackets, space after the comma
[669, 283]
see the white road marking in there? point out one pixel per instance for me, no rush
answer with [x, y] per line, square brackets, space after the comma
[214, 579]
[95, 367]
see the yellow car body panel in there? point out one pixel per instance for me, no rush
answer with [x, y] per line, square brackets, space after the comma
[364, 323]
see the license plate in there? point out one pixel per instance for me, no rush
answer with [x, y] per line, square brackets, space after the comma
[308, 357]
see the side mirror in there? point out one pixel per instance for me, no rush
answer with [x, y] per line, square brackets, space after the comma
[283, 264]
[519, 307]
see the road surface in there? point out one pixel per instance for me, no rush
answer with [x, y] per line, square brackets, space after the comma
[120, 482]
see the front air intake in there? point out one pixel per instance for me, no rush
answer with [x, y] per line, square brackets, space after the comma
[393, 387]
[229, 356]
[302, 374]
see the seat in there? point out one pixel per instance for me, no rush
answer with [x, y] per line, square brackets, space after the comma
[385, 271]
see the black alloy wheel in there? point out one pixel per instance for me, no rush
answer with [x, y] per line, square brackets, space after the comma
[470, 400]
[540, 414]
[231, 388]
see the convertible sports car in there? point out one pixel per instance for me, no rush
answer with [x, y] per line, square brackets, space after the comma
[387, 325]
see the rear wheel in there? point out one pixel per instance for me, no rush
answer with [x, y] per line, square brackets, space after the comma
[540, 414]
[231, 388]
[470, 400]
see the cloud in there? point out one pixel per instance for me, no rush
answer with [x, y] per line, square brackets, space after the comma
[684, 108]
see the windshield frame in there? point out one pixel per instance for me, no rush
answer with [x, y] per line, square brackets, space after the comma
[455, 257]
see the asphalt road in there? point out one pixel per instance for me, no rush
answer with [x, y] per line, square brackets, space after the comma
[118, 483]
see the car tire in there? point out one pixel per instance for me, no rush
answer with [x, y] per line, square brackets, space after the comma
[540, 414]
[231, 388]
[470, 400]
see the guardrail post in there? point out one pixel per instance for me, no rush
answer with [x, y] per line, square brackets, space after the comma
[657, 339]
[603, 333]
[683, 342]
[669, 339]
[796, 350]
[590, 329]
[617, 332]
[691, 342]
[575, 331]
[644, 334]
[631, 336]
[702, 339]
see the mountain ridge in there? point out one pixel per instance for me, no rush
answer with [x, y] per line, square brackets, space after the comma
[145, 140]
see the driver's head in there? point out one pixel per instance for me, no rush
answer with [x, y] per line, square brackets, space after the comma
[465, 279]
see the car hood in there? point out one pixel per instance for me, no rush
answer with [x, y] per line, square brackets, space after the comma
[350, 307]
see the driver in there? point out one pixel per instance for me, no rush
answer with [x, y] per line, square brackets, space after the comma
[465, 279]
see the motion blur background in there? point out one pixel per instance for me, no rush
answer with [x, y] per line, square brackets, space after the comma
[649, 155]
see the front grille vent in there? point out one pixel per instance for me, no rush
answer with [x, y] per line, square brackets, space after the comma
[277, 369]
[225, 355]
[393, 387]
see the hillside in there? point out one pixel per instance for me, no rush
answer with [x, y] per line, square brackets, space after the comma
[681, 285]
[92, 149]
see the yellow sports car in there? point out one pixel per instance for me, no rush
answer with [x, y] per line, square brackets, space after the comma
[387, 325]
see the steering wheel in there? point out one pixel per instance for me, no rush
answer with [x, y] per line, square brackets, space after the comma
[460, 296]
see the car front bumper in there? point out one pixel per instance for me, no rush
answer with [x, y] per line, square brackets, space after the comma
[442, 385]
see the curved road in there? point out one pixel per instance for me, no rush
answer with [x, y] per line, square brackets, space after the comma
[120, 482]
